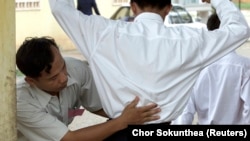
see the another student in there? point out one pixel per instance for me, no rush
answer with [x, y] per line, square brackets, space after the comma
[221, 95]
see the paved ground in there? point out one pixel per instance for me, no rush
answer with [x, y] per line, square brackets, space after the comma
[88, 119]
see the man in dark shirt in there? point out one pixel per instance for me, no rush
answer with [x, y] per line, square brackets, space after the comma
[86, 6]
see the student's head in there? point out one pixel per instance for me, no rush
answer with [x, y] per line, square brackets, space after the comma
[40, 60]
[213, 22]
[161, 7]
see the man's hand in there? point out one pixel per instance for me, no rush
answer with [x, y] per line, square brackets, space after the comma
[207, 1]
[138, 115]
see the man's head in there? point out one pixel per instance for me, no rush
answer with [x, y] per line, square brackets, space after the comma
[213, 22]
[40, 60]
[161, 7]
[158, 4]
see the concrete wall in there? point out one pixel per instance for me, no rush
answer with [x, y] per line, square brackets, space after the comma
[8, 131]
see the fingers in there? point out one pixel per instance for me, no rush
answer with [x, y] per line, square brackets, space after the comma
[134, 102]
[139, 115]
[148, 107]
[151, 118]
[149, 113]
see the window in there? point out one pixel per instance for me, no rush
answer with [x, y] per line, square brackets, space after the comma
[186, 2]
[27, 4]
[179, 15]
[120, 2]
[191, 2]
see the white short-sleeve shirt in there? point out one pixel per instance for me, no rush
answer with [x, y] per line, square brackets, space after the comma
[42, 117]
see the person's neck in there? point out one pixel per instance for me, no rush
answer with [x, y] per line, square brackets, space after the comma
[152, 10]
[53, 93]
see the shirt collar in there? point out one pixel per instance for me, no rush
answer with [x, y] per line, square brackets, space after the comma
[44, 97]
[148, 16]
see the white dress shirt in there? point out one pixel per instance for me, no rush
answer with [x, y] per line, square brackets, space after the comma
[147, 59]
[221, 94]
[42, 117]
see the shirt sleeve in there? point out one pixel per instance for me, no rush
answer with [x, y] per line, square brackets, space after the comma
[89, 96]
[36, 124]
[187, 116]
[233, 32]
[83, 30]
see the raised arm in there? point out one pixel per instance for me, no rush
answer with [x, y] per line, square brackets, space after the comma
[82, 29]
[187, 116]
[233, 32]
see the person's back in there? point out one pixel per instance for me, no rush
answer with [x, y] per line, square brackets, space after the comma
[145, 58]
[221, 93]
[85, 6]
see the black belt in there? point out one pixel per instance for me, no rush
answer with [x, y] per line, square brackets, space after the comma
[163, 123]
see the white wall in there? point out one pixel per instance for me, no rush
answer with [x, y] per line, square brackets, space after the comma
[106, 7]
[42, 23]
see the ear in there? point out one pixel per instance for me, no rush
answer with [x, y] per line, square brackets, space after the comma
[29, 80]
[133, 7]
[168, 9]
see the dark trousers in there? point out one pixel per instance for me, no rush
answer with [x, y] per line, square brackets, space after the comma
[119, 136]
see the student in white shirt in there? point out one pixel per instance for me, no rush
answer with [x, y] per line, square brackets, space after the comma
[145, 58]
[221, 94]
[52, 91]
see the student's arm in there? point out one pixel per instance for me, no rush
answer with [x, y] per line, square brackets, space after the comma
[130, 115]
[233, 32]
[187, 116]
[83, 30]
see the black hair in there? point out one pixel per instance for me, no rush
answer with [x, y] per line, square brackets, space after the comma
[159, 4]
[213, 22]
[35, 55]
